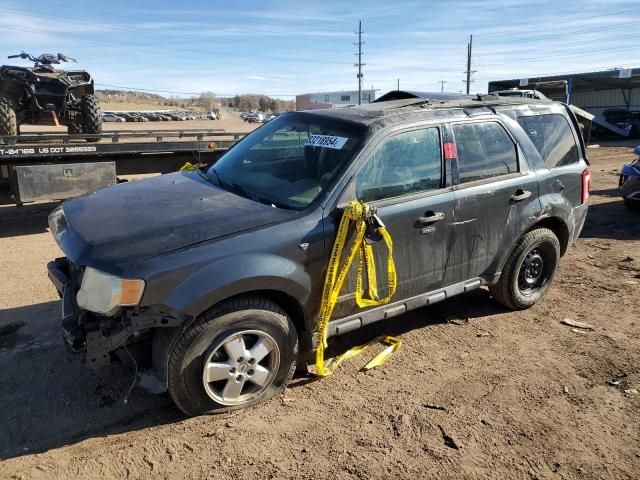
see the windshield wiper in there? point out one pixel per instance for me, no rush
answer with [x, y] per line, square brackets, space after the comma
[191, 167]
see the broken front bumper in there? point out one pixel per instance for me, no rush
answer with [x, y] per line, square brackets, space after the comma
[94, 335]
[60, 274]
[85, 332]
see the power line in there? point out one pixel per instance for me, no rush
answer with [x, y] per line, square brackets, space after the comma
[151, 90]
[556, 46]
[441, 82]
[564, 24]
[568, 55]
[564, 34]
[359, 65]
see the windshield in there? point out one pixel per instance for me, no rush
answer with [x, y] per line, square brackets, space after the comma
[289, 161]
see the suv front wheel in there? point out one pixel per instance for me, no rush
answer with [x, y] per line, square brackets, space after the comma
[236, 354]
[529, 270]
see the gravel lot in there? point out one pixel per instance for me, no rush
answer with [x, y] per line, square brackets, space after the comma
[506, 395]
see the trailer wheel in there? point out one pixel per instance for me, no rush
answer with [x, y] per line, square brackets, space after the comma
[8, 123]
[90, 116]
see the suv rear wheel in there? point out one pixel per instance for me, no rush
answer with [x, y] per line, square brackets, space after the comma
[234, 355]
[529, 270]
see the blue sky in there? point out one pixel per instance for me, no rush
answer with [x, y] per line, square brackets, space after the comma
[283, 47]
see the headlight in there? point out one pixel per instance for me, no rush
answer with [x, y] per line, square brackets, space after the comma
[104, 293]
[58, 224]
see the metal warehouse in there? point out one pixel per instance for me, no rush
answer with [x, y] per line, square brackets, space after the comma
[313, 101]
[592, 91]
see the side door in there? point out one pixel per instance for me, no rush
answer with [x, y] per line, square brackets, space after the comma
[494, 194]
[404, 178]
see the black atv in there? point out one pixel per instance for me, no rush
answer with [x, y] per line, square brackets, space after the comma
[42, 95]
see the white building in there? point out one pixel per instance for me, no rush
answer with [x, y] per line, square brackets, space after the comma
[312, 101]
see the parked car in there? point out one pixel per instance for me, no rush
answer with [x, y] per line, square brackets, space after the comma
[629, 184]
[129, 117]
[224, 284]
[111, 117]
[255, 118]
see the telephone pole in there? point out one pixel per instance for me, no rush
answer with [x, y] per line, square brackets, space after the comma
[359, 64]
[442, 82]
[468, 81]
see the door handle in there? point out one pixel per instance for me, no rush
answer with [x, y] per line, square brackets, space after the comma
[520, 195]
[432, 217]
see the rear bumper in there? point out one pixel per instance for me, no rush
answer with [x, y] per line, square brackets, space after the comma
[579, 218]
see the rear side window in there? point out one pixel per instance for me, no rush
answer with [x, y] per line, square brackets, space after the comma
[552, 136]
[485, 150]
[406, 163]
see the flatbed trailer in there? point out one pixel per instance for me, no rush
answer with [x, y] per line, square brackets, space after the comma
[45, 166]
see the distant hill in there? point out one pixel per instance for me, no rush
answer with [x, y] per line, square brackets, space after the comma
[147, 101]
[129, 96]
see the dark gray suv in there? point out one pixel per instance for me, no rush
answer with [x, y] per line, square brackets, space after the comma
[218, 275]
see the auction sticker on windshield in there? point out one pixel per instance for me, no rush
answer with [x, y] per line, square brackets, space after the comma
[327, 141]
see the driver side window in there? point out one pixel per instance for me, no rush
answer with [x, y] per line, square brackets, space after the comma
[406, 163]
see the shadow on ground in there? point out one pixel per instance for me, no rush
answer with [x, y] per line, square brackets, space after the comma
[24, 220]
[50, 399]
[611, 220]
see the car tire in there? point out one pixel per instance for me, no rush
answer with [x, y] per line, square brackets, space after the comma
[8, 123]
[203, 378]
[529, 270]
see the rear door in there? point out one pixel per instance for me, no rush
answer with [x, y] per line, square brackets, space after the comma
[404, 179]
[494, 194]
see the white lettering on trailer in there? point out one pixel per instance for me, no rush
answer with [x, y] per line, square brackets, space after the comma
[47, 150]
[326, 141]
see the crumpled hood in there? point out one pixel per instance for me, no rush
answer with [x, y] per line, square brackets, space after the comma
[135, 221]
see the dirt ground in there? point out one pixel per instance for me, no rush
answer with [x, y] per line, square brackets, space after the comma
[507, 395]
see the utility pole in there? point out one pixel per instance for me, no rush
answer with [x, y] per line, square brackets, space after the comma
[468, 81]
[359, 64]
[442, 82]
[398, 85]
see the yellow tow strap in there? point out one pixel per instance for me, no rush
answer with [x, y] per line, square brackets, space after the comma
[189, 167]
[362, 216]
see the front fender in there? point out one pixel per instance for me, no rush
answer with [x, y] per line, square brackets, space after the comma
[237, 274]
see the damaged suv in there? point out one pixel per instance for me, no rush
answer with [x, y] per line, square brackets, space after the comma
[218, 275]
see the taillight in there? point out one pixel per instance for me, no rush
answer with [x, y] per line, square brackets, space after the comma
[586, 185]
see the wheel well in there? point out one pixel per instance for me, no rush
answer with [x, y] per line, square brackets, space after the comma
[287, 302]
[559, 228]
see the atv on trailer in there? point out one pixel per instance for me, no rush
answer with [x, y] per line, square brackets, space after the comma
[42, 95]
